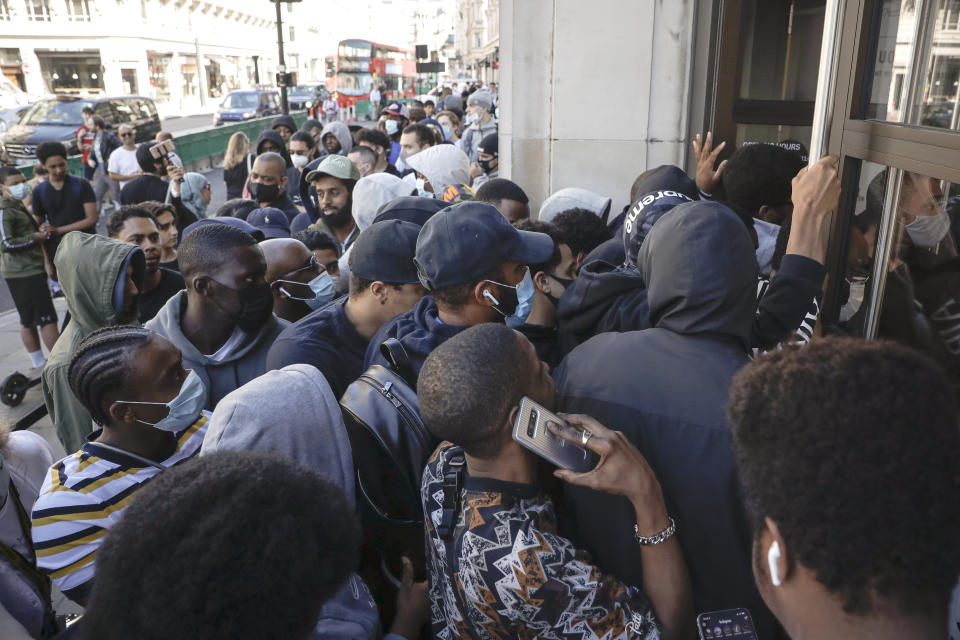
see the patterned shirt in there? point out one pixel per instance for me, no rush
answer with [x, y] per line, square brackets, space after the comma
[84, 495]
[512, 575]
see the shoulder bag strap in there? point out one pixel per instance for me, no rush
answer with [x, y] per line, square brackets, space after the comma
[26, 566]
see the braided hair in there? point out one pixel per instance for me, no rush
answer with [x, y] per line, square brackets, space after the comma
[101, 363]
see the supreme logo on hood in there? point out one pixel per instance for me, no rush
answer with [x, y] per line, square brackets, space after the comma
[648, 208]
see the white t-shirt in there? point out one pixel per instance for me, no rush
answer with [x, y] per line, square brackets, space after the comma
[123, 162]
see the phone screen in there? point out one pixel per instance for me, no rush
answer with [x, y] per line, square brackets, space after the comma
[736, 624]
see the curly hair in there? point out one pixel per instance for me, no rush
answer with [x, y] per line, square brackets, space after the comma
[852, 448]
[230, 545]
[582, 230]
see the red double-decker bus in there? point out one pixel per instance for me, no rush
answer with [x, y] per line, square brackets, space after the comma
[359, 65]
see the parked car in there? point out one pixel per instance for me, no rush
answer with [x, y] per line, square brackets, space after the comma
[306, 96]
[240, 106]
[59, 117]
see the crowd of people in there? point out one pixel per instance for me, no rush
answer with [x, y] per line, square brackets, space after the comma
[214, 382]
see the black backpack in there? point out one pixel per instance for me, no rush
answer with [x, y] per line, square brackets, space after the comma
[390, 450]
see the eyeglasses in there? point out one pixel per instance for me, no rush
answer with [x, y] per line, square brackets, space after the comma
[127, 135]
[312, 264]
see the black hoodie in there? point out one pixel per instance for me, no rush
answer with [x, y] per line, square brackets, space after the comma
[293, 174]
[286, 121]
[665, 388]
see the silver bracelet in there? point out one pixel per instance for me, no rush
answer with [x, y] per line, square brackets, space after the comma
[663, 536]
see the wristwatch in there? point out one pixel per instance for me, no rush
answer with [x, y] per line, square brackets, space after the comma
[663, 536]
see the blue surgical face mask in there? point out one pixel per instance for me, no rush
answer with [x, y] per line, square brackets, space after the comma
[323, 291]
[447, 131]
[525, 292]
[183, 409]
[392, 127]
[20, 191]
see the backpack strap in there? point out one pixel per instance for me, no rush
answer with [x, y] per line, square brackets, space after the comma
[396, 356]
[452, 486]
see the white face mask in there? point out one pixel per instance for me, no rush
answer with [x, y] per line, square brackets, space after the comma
[473, 118]
[928, 231]
[299, 161]
[855, 299]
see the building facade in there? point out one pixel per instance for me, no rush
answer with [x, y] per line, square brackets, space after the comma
[182, 53]
[477, 40]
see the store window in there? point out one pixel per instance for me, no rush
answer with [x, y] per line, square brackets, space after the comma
[129, 79]
[38, 10]
[78, 10]
[158, 63]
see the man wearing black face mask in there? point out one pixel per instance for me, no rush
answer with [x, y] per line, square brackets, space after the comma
[550, 279]
[223, 322]
[268, 183]
[488, 160]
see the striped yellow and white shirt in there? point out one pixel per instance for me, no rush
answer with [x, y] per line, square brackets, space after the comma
[84, 495]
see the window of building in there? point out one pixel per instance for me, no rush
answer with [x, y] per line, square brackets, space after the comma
[78, 10]
[4, 10]
[38, 10]
[292, 38]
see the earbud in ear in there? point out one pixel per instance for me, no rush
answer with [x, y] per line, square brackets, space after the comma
[773, 556]
[489, 296]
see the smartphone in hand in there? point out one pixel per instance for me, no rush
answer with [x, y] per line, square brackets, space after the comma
[736, 624]
[530, 431]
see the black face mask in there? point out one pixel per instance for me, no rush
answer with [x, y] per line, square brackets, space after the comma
[507, 299]
[485, 165]
[256, 305]
[566, 284]
[264, 192]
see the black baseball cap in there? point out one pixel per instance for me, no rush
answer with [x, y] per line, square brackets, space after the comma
[467, 240]
[384, 251]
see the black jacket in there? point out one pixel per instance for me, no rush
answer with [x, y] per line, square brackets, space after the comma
[147, 187]
[293, 176]
[109, 142]
[666, 389]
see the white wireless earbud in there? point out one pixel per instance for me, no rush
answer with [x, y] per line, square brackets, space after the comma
[773, 556]
[489, 296]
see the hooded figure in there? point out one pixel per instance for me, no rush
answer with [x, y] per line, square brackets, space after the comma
[243, 363]
[293, 174]
[605, 297]
[93, 274]
[342, 134]
[285, 121]
[374, 191]
[666, 177]
[191, 193]
[443, 166]
[255, 418]
[666, 389]
[574, 198]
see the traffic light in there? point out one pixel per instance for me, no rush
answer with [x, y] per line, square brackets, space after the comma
[288, 79]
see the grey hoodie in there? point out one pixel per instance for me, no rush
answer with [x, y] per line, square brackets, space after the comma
[247, 361]
[258, 417]
[374, 191]
[342, 133]
[443, 165]
[573, 198]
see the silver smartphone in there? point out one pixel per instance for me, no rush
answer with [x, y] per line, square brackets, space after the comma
[530, 430]
[161, 149]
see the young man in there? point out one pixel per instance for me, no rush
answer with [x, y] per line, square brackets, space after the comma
[470, 260]
[333, 181]
[285, 125]
[85, 140]
[550, 279]
[101, 280]
[414, 139]
[478, 123]
[583, 230]
[123, 377]
[63, 203]
[268, 184]
[324, 247]
[574, 198]
[383, 284]
[507, 197]
[336, 139]
[498, 565]
[135, 224]
[844, 559]
[270, 141]
[166, 218]
[297, 280]
[123, 166]
[151, 185]
[381, 145]
[24, 267]
[667, 387]
[488, 160]
[254, 506]
[364, 158]
[223, 323]
[104, 144]
[303, 149]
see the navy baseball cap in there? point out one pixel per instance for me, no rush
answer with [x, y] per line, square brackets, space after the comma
[243, 225]
[384, 251]
[641, 217]
[271, 221]
[415, 209]
[466, 241]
